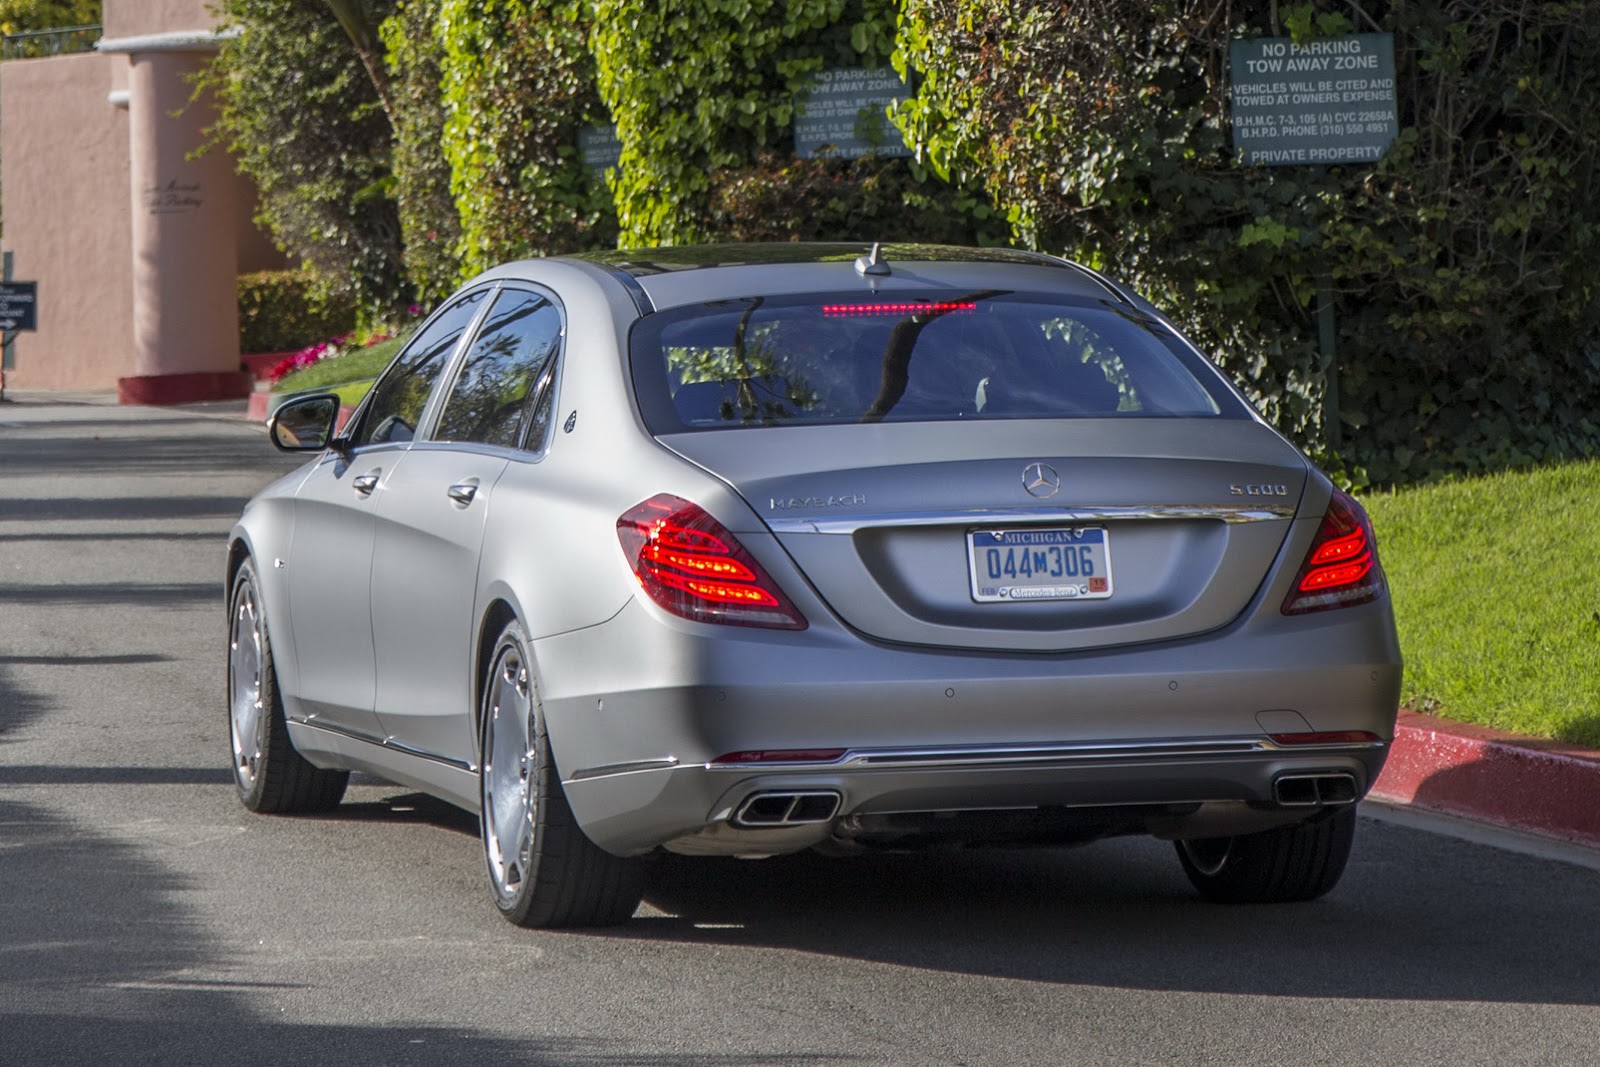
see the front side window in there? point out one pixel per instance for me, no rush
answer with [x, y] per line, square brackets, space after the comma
[508, 366]
[882, 358]
[397, 400]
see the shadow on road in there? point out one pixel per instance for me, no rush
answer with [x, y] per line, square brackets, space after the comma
[1402, 925]
[90, 920]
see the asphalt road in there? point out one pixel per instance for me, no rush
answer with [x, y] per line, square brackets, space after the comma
[146, 917]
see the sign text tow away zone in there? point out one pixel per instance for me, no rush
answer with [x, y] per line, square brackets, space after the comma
[1321, 103]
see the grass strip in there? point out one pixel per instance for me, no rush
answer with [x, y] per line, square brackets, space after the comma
[1497, 597]
[363, 364]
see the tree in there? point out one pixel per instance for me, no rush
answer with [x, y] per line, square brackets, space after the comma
[300, 111]
[22, 16]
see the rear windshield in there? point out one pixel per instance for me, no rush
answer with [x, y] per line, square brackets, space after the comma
[854, 358]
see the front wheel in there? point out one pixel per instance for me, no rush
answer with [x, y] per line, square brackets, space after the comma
[1291, 863]
[543, 870]
[270, 774]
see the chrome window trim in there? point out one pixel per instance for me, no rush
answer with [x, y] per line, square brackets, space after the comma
[849, 524]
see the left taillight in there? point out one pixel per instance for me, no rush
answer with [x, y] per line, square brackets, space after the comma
[1341, 569]
[690, 564]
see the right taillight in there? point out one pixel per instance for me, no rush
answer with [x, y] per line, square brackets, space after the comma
[1341, 569]
[690, 564]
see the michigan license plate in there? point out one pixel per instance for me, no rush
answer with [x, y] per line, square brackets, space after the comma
[1064, 564]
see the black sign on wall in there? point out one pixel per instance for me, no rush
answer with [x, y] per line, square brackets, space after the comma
[19, 306]
[845, 114]
[1325, 102]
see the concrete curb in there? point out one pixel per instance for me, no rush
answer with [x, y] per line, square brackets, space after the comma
[1523, 783]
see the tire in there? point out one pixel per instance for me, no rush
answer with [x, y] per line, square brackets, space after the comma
[543, 870]
[271, 776]
[1291, 863]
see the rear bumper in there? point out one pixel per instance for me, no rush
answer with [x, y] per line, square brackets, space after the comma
[1163, 728]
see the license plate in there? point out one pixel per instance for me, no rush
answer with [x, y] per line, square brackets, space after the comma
[1057, 564]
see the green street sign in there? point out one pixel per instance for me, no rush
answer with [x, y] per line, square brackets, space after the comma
[1322, 103]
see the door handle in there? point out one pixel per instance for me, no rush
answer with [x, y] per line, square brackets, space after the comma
[366, 483]
[462, 492]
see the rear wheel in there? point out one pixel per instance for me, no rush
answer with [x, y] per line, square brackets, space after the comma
[271, 776]
[1291, 863]
[543, 869]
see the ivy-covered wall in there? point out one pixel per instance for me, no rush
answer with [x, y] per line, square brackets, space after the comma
[1464, 265]
[517, 83]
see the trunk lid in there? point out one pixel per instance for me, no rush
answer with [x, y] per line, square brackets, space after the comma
[1193, 512]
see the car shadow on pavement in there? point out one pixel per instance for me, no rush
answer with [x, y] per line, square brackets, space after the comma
[403, 808]
[101, 962]
[1417, 916]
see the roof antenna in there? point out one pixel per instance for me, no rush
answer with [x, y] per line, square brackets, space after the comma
[872, 263]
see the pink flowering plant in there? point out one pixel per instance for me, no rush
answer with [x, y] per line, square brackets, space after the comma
[342, 345]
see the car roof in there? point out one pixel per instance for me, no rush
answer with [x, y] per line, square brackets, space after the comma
[674, 276]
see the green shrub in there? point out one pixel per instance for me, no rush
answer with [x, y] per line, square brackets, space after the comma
[285, 310]
[780, 198]
[705, 85]
[430, 226]
[1464, 265]
[517, 83]
[302, 117]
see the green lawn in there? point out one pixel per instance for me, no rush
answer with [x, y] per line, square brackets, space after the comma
[362, 365]
[1496, 585]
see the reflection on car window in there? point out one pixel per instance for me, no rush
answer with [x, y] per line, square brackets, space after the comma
[400, 395]
[507, 364]
[979, 355]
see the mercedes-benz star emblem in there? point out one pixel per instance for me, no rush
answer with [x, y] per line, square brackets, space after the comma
[1040, 480]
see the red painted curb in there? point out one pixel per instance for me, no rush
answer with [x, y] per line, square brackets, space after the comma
[1524, 783]
[161, 389]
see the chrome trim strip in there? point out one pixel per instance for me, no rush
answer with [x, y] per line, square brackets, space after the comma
[1087, 752]
[385, 742]
[431, 757]
[624, 768]
[849, 524]
[342, 731]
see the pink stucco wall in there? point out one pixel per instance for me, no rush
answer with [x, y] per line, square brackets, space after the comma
[183, 207]
[64, 173]
[138, 18]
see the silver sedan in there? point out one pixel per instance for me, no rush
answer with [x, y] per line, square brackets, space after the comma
[743, 550]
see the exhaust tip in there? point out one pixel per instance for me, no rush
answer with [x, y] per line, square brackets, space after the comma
[787, 809]
[1314, 790]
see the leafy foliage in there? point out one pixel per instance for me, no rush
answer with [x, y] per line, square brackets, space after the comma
[1464, 265]
[780, 198]
[430, 226]
[517, 83]
[300, 113]
[282, 310]
[22, 16]
[705, 86]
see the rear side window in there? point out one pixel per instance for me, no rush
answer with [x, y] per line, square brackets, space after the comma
[506, 371]
[983, 355]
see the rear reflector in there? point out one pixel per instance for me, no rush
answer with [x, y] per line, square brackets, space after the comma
[1329, 737]
[782, 755]
[691, 565]
[1341, 569]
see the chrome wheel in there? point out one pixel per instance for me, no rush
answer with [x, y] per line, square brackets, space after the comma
[510, 805]
[246, 716]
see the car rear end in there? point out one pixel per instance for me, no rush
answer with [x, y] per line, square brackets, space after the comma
[985, 552]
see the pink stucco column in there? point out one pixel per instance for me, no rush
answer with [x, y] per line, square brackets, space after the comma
[185, 311]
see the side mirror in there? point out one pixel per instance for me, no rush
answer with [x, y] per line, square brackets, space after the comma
[304, 424]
